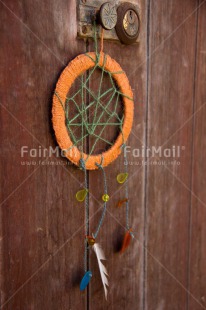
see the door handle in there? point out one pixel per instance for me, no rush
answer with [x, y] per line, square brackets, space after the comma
[120, 19]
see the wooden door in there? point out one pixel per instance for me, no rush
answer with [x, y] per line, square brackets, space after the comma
[41, 225]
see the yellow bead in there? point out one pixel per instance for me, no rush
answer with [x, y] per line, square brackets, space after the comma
[105, 197]
[122, 177]
[90, 240]
[81, 195]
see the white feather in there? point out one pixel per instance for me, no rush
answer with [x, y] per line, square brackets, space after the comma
[103, 271]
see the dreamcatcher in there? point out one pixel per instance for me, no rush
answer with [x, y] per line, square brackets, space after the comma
[86, 114]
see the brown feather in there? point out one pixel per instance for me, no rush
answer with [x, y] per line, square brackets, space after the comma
[121, 202]
[126, 241]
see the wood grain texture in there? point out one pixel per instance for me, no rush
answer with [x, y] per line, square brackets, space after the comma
[41, 243]
[197, 276]
[126, 270]
[170, 107]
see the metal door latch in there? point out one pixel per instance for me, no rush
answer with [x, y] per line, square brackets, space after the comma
[120, 19]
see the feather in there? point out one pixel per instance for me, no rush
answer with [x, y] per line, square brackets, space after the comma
[103, 271]
[126, 241]
[121, 202]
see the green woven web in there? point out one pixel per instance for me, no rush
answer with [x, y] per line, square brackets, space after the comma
[94, 110]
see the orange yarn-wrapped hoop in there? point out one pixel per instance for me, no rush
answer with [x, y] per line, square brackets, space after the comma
[75, 69]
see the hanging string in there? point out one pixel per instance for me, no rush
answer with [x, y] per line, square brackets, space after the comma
[86, 205]
[105, 203]
[102, 40]
[82, 166]
[126, 187]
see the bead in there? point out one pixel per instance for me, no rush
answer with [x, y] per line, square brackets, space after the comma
[81, 195]
[85, 280]
[90, 240]
[105, 197]
[122, 177]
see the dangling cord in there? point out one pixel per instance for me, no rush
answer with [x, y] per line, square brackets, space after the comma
[126, 188]
[96, 43]
[86, 204]
[91, 240]
[102, 40]
[128, 235]
[105, 200]
[96, 247]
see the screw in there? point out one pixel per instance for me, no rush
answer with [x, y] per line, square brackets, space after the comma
[84, 29]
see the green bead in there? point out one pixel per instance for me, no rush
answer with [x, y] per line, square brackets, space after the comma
[81, 195]
[122, 177]
[105, 197]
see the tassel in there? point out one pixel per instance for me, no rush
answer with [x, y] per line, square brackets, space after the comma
[103, 271]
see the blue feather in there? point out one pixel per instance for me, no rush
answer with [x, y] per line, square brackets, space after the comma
[85, 280]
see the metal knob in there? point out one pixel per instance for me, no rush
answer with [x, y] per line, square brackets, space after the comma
[108, 15]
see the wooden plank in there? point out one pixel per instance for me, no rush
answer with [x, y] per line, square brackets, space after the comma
[126, 270]
[170, 107]
[197, 276]
[41, 222]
